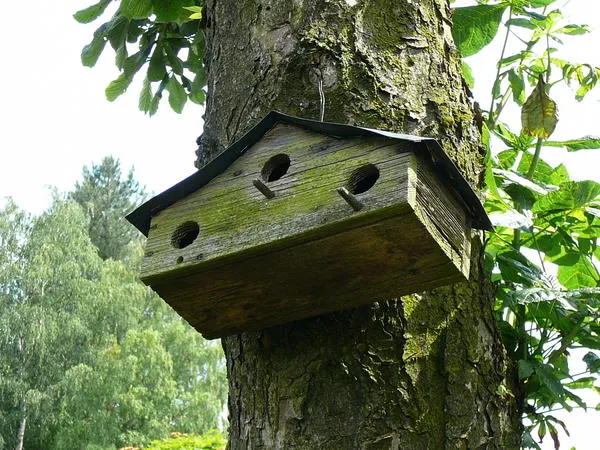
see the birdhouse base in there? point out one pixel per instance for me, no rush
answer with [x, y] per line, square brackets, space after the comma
[390, 256]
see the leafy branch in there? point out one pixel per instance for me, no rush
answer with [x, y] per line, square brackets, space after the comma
[163, 36]
[544, 253]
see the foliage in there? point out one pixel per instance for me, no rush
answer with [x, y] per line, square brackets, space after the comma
[162, 35]
[212, 440]
[543, 254]
[89, 356]
[106, 199]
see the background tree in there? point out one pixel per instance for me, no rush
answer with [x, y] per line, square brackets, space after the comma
[90, 357]
[107, 199]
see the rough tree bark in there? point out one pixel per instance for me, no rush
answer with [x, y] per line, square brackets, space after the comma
[424, 371]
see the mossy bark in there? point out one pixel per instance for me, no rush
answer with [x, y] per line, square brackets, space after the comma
[424, 371]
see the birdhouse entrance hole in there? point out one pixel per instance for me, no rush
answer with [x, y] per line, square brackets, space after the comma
[275, 167]
[185, 234]
[363, 179]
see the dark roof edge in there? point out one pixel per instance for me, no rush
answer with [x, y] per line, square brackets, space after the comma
[443, 165]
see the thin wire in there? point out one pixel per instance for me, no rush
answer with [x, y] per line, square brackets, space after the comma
[321, 96]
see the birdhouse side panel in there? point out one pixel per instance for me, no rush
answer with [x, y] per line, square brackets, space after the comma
[444, 215]
[234, 216]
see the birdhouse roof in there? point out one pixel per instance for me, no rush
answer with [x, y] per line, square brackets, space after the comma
[442, 164]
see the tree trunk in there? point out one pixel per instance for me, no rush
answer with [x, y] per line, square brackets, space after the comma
[424, 371]
[21, 435]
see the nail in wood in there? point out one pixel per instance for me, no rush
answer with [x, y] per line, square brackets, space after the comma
[350, 199]
[263, 188]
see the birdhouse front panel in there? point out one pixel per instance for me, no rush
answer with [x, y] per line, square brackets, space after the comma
[304, 223]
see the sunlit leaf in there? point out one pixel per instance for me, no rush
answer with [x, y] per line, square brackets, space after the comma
[573, 145]
[574, 29]
[522, 22]
[145, 100]
[571, 195]
[136, 9]
[118, 86]
[579, 275]
[468, 74]
[539, 114]
[474, 27]
[91, 13]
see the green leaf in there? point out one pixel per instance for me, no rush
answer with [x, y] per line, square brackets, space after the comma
[548, 376]
[171, 11]
[571, 195]
[117, 31]
[468, 74]
[136, 9]
[474, 27]
[573, 145]
[542, 172]
[540, 3]
[517, 86]
[121, 56]
[91, 13]
[581, 383]
[197, 95]
[133, 63]
[145, 101]
[526, 369]
[177, 95]
[91, 52]
[521, 56]
[592, 361]
[574, 29]
[174, 61]
[521, 22]
[118, 86]
[539, 114]
[577, 276]
[156, 67]
[559, 175]
[154, 104]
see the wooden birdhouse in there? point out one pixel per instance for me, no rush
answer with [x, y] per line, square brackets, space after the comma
[300, 218]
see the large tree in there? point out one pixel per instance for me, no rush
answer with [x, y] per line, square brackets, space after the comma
[423, 371]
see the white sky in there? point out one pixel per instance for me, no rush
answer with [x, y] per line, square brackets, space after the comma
[54, 119]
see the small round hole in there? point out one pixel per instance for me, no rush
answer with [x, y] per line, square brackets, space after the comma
[363, 179]
[185, 234]
[179, 259]
[276, 167]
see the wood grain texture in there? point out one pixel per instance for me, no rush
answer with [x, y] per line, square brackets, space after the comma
[259, 261]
